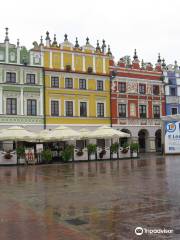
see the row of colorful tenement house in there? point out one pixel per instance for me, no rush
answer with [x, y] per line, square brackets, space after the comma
[82, 86]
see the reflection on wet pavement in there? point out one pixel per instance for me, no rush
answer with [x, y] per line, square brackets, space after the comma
[95, 200]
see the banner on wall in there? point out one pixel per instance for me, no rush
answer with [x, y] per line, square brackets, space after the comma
[172, 137]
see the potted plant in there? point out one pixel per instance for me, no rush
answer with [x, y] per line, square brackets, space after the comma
[114, 149]
[20, 151]
[68, 152]
[125, 148]
[134, 149]
[47, 156]
[91, 150]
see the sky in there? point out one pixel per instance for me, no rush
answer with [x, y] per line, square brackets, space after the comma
[150, 26]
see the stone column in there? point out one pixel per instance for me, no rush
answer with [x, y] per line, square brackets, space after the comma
[62, 60]
[73, 67]
[94, 63]
[22, 101]
[41, 102]
[1, 100]
[104, 65]
[84, 66]
[50, 60]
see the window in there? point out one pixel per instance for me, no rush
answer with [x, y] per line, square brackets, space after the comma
[69, 108]
[172, 91]
[100, 84]
[155, 89]
[82, 83]
[10, 77]
[11, 106]
[142, 88]
[54, 108]
[142, 111]
[55, 82]
[100, 109]
[122, 110]
[122, 87]
[31, 107]
[156, 111]
[173, 111]
[68, 83]
[83, 109]
[132, 110]
[30, 78]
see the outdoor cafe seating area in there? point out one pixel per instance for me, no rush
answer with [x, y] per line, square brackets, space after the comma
[63, 144]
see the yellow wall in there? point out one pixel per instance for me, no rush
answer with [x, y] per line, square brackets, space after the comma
[75, 94]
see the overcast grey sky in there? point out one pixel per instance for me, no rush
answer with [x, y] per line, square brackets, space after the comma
[150, 26]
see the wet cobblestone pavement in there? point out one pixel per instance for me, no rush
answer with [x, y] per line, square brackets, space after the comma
[91, 201]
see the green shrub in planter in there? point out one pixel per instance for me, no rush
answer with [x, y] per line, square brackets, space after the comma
[134, 147]
[91, 149]
[68, 152]
[20, 151]
[114, 148]
[47, 155]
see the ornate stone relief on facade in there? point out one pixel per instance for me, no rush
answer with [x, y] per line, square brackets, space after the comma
[149, 89]
[131, 87]
[114, 85]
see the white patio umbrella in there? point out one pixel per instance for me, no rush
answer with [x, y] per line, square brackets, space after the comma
[44, 135]
[17, 133]
[63, 133]
[84, 133]
[106, 132]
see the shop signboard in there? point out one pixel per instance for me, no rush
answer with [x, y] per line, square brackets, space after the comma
[172, 137]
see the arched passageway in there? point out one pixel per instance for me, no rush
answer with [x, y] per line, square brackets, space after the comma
[143, 140]
[158, 140]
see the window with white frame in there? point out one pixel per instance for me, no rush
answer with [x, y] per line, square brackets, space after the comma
[11, 106]
[82, 83]
[11, 77]
[100, 85]
[122, 110]
[54, 82]
[100, 109]
[83, 109]
[54, 108]
[31, 107]
[68, 83]
[69, 108]
[156, 111]
[30, 78]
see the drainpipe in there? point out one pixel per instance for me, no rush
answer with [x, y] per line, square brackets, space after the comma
[44, 97]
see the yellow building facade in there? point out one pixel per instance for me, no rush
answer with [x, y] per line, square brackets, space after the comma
[77, 83]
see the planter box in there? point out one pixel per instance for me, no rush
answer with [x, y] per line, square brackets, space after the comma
[106, 155]
[84, 157]
[134, 154]
[12, 160]
[114, 156]
[124, 155]
[92, 157]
